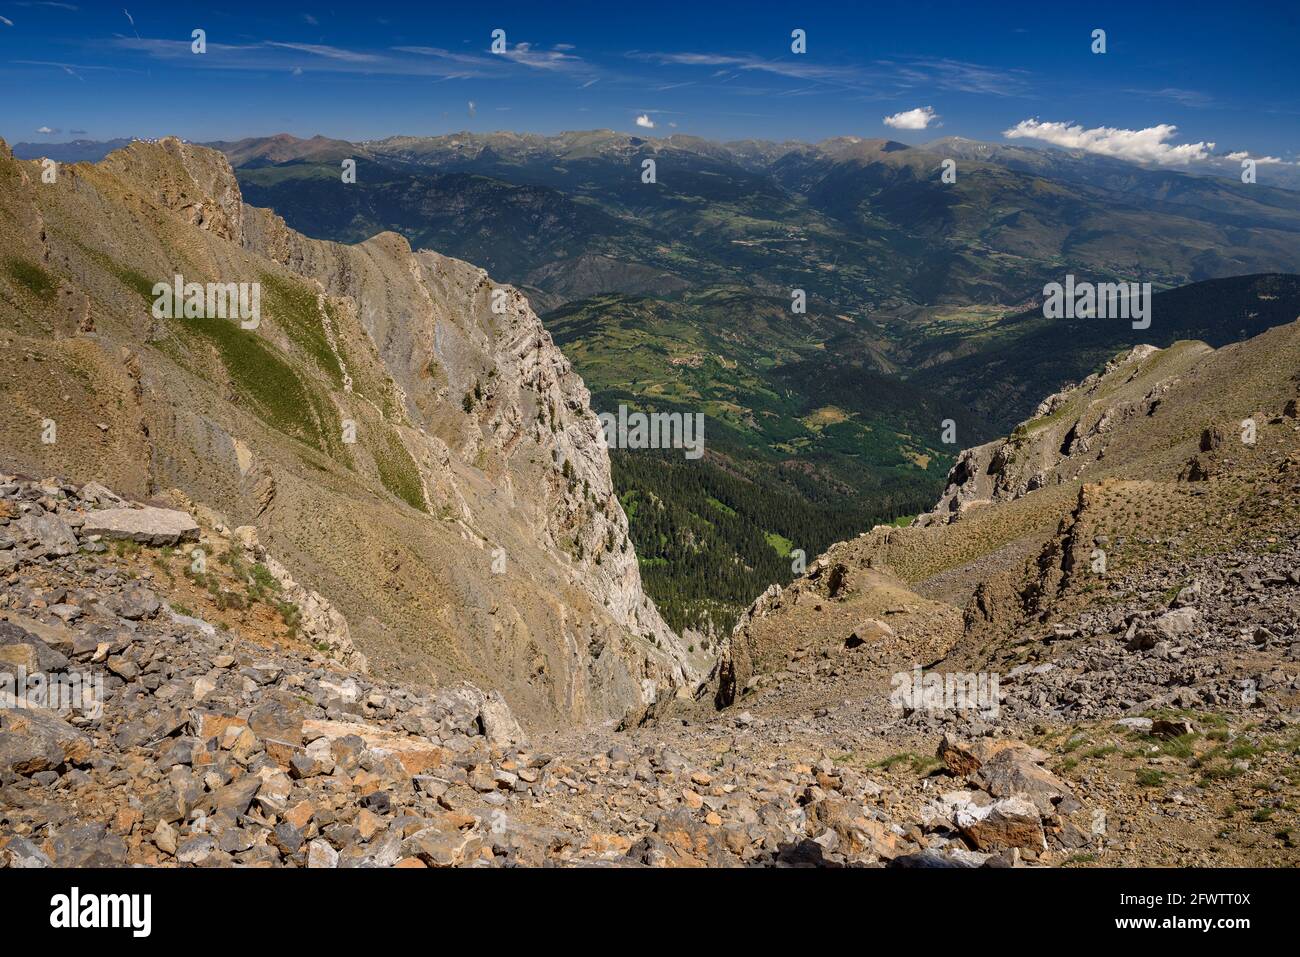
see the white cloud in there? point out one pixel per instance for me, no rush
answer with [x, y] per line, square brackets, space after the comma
[6, 21]
[1240, 155]
[644, 120]
[917, 119]
[46, 131]
[1139, 146]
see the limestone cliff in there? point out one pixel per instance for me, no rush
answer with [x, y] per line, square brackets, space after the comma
[400, 429]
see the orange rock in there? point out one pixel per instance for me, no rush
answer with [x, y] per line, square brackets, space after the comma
[300, 814]
[366, 783]
[368, 824]
[607, 844]
[421, 761]
[125, 819]
[211, 725]
[281, 752]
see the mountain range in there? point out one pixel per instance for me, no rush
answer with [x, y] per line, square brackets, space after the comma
[678, 296]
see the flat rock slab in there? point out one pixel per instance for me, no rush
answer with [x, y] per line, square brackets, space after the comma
[148, 526]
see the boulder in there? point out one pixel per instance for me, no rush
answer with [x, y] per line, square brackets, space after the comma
[869, 631]
[148, 526]
[1010, 822]
[498, 724]
[1171, 728]
[963, 758]
[47, 531]
[1011, 773]
[1177, 623]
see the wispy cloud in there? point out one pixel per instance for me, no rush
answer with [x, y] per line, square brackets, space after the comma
[1192, 98]
[70, 67]
[6, 21]
[1148, 145]
[292, 56]
[556, 59]
[879, 78]
[332, 53]
[917, 119]
[788, 68]
[958, 76]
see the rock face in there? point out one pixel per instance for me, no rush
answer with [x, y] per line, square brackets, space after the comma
[399, 429]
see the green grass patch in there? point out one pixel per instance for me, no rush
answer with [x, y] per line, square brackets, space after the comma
[264, 378]
[293, 306]
[31, 277]
[1149, 778]
[397, 470]
[780, 543]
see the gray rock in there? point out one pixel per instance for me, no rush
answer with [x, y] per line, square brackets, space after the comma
[149, 526]
[195, 850]
[48, 531]
[498, 723]
[134, 603]
[20, 852]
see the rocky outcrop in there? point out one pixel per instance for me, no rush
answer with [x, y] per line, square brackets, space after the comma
[1067, 430]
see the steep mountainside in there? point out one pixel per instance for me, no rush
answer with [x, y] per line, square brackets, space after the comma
[1119, 578]
[1157, 436]
[998, 369]
[429, 463]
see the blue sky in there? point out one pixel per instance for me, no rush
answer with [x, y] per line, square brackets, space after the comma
[1218, 73]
